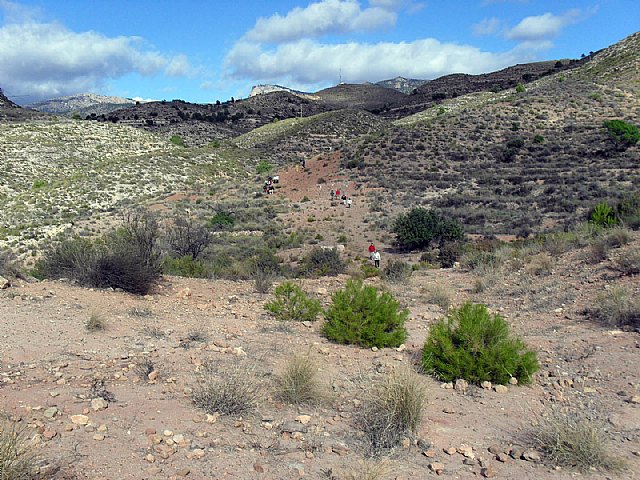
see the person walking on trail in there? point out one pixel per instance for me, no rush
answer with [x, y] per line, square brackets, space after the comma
[372, 248]
[375, 256]
[349, 202]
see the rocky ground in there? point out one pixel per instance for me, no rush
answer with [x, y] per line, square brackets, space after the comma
[116, 403]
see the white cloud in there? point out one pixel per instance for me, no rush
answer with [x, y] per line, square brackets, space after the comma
[179, 66]
[543, 26]
[487, 26]
[308, 63]
[45, 60]
[322, 18]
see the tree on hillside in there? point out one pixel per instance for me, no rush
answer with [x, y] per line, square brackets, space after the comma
[623, 134]
[421, 228]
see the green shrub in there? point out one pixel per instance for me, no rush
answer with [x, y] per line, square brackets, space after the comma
[222, 220]
[359, 315]
[369, 271]
[291, 303]
[184, 267]
[397, 271]
[263, 167]
[622, 133]
[177, 140]
[419, 228]
[321, 261]
[520, 88]
[475, 345]
[603, 215]
[575, 440]
[538, 139]
[127, 258]
[392, 408]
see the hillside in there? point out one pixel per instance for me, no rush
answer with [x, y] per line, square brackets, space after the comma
[435, 91]
[404, 85]
[200, 124]
[81, 105]
[361, 96]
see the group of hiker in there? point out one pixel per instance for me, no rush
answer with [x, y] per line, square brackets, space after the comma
[346, 201]
[268, 187]
[374, 255]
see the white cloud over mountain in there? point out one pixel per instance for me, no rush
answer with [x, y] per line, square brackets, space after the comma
[45, 60]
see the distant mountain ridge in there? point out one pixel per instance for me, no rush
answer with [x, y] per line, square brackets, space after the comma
[404, 85]
[267, 88]
[82, 104]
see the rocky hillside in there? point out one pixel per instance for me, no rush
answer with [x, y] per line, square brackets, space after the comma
[435, 91]
[511, 162]
[200, 124]
[10, 111]
[404, 85]
[82, 105]
[362, 96]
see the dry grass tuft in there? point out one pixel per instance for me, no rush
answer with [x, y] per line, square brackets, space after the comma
[438, 295]
[96, 323]
[628, 263]
[228, 390]
[298, 384]
[574, 439]
[18, 460]
[369, 469]
[617, 307]
[392, 407]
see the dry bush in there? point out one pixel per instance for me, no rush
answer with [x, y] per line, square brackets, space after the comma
[368, 469]
[18, 460]
[616, 307]
[574, 439]
[628, 263]
[597, 252]
[438, 295]
[617, 237]
[540, 265]
[143, 368]
[9, 265]
[96, 323]
[298, 384]
[392, 407]
[227, 390]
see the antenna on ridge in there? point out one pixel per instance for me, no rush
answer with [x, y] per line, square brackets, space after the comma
[340, 81]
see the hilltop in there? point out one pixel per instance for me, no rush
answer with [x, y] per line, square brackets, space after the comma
[81, 105]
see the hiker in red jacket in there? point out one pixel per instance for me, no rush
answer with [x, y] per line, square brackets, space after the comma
[372, 248]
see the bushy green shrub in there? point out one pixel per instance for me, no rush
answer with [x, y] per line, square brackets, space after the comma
[177, 140]
[420, 227]
[291, 303]
[473, 344]
[623, 134]
[222, 220]
[369, 271]
[263, 167]
[184, 267]
[360, 315]
[397, 271]
[603, 215]
[321, 261]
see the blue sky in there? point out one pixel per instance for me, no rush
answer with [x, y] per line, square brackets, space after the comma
[205, 50]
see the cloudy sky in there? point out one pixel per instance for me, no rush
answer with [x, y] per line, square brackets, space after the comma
[204, 50]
